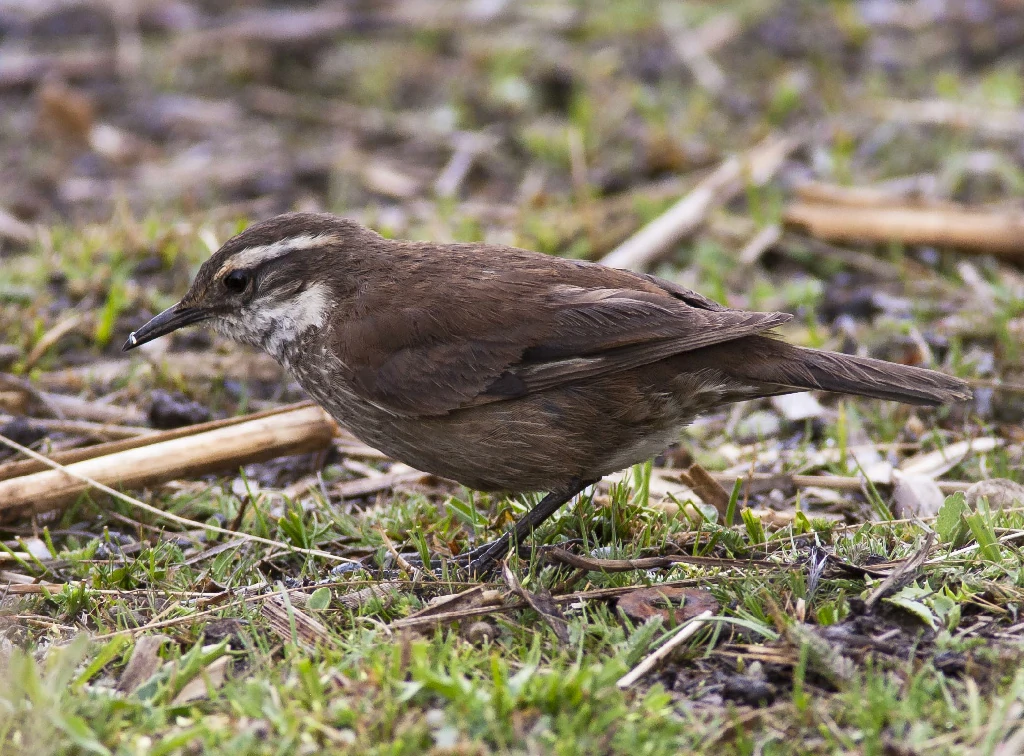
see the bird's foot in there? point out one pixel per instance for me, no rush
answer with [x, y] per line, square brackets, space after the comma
[482, 560]
[478, 562]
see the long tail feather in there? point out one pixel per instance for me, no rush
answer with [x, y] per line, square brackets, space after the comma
[800, 368]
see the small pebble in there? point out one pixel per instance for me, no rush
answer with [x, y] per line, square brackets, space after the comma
[9, 354]
[21, 431]
[175, 410]
[481, 631]
[758, 426]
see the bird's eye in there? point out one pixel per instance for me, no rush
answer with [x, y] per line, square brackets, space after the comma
[236, 281]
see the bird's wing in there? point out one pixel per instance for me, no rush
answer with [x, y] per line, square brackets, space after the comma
[515, 336]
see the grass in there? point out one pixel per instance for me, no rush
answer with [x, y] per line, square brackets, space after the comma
[932, 668]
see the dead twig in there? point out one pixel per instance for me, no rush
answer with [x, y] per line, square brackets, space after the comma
[354, 489]
[982, 231]
[192, 524]
[51, 337]
[478, 595]
[760, 243]
[101, 431]
[76, 408]
[902, 574]
[694, 54]
[26, 69]
[757, 166]
[835, 482]
[1002, 123]
[823, 193]
[648, 563]
[541, 602]
[684, 633]
[383, 592]
[292, 624]
[708, 489]
[401, 561]
[26, 467]
[15, 231]
[296, 432]
[433, 620]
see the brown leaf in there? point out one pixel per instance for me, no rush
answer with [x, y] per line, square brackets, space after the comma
[916, 496]
[309, 632]
[144, 663]
[644, 603]
[200, 685]
[708, 489]
[385, 592]
[64, 114]
[542, 603]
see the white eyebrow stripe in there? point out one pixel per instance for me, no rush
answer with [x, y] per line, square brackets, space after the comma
[253, 256]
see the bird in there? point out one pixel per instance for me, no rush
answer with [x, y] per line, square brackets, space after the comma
[500, 368]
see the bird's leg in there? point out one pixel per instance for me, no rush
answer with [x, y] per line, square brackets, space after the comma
[483, 559]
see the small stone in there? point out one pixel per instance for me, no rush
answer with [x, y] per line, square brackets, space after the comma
[175, 410]
[21, 431]
[9, 354]
[798, 407]
[1000, 493]
[758, 426]
[480, 632]
[748, 690]
[916, 496]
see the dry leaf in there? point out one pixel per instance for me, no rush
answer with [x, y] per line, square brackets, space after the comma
[542, 603]
[200, 685]
[798, 407]
[644, 603]
[144, 663]
[916, 495]
[309, 632]
[937, 463]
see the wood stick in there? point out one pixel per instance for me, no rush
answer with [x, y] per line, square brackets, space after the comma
[760, 243]
[865, 196]
[685, 632]
[652, 241]
[76, 408]
[295, 432]
[982, 231]
[995, 122]
[51, 337]
[835, 482]
[687, 45]
[15, 231]
[101, 431]
[271, 27]
[253, 366]
[19, 401]
[28, 466]
[22, 70]
[354, 489]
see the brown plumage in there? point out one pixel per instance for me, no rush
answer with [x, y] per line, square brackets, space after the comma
[500, 368]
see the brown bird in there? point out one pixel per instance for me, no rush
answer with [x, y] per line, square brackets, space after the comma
[499, 368]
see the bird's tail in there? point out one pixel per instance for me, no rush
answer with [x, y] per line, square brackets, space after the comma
[796, 368]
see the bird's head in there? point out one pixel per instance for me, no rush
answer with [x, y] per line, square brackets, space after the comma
[268, 285]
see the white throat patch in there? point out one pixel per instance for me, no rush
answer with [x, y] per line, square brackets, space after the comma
[275, 327]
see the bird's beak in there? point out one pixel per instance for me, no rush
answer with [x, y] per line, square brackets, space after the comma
[167, 321]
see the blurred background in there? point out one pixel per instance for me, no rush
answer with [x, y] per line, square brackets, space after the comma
[856, 162]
